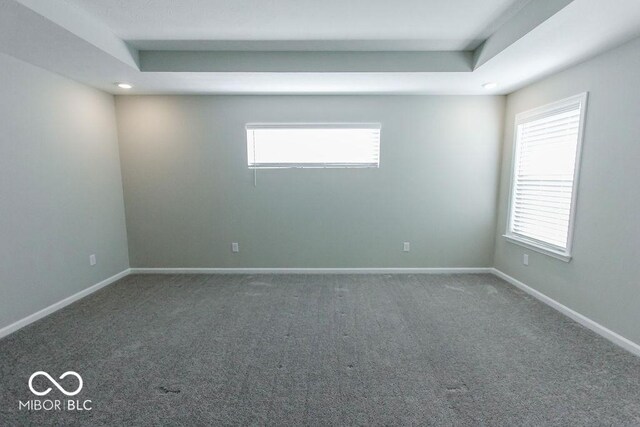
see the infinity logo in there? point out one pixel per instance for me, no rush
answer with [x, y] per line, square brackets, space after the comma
[54, 382]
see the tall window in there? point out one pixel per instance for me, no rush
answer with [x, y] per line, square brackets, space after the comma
[545, 174]
[313, 145]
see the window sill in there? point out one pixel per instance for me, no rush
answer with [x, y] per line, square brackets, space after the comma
[540, 249]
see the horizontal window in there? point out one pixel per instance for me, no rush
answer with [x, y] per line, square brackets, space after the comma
[313, 145]
[544, 180]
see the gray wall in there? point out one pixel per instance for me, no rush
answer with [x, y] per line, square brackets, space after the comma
[60, 189]
[602, 281]
[189, 194]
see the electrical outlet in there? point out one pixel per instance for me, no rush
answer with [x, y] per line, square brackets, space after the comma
[525, 259]
[406, 246]
[92, 259]
[235, 247]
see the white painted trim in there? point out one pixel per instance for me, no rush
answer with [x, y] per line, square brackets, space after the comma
[310, 270]
[61, 304]
[583, 320]
[516, 240]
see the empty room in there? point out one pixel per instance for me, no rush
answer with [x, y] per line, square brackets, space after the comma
[327, 213]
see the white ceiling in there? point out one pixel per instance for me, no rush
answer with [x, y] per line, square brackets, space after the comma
[438, 24]
[90, 41]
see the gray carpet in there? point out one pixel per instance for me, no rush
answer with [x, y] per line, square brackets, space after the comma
[320, 350]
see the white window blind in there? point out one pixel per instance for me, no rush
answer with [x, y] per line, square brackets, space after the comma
[544, 178]
[313, 145]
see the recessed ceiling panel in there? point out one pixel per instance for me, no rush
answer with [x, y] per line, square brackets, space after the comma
[440, 25]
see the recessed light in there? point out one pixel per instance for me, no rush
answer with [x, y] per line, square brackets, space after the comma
[490, 85]
[124, 86]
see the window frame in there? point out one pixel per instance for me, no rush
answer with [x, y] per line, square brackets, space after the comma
[563, 254]
[323, 125]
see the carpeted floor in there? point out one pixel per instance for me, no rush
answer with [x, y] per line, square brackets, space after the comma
[319, 350]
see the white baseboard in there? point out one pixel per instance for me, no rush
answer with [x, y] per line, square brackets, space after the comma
[60, 304]
[310, 270]
[583, 320]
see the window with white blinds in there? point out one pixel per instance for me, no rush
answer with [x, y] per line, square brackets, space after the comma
[545, 171]
[313, 145]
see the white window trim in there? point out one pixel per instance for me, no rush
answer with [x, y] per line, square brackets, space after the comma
[530, 115]
[368, 125]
